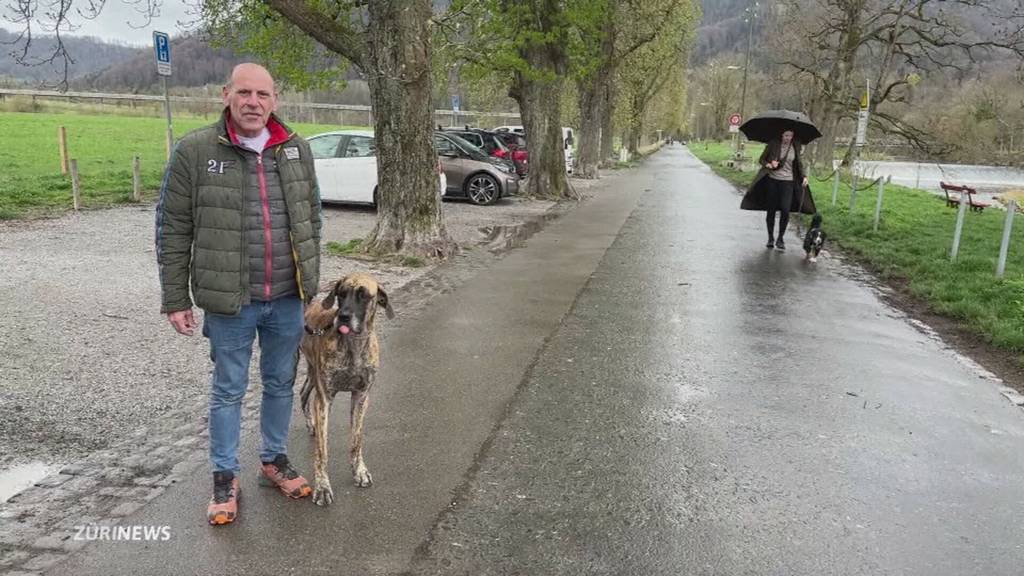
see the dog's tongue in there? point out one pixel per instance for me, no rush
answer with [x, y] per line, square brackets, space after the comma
[344, 329]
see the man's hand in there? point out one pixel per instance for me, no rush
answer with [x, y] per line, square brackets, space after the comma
[183, 321]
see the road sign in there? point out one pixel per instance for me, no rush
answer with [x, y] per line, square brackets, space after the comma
[162, 47]
[862, 127]
[734, 123]
[863, 116]
[456, 103]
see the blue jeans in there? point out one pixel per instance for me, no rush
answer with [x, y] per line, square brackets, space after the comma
[279, 324]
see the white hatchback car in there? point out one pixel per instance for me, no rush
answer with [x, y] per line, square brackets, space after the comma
[346, 166]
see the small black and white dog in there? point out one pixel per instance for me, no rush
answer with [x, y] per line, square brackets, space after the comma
[814, 241]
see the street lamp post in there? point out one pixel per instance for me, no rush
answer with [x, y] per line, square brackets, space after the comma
[751, 12]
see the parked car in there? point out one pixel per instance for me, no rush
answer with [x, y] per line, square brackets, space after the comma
[568, 143]
[346, 166]
[473, 174]
[504, 145]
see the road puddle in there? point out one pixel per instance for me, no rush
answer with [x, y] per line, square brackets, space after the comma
[14, 480]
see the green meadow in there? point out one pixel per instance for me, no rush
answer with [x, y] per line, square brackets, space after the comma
[31, 183]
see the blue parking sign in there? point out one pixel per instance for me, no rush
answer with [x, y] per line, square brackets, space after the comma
[162, 47]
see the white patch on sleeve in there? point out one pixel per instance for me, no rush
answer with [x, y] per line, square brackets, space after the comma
[291, 153]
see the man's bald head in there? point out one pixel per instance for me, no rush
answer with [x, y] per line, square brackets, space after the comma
[251, 97]
[248, 70]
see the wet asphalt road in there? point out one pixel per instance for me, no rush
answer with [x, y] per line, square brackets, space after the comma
[644, 389]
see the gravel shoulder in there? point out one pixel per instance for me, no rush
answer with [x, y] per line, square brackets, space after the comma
[86, 359]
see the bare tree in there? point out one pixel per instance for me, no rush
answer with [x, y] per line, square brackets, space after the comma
[58, 18]
[838, 44]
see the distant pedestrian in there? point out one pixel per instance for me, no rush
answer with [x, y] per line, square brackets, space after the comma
[238, 222]
[780, 187]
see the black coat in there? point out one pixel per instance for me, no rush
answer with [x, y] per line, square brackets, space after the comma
[756, 197]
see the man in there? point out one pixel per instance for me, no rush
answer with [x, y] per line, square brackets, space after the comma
[239, 222]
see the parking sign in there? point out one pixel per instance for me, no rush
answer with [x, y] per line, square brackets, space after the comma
[162, 47]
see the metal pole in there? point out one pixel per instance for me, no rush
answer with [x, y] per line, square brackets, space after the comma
[746, 67]
[878, 203]
[959, 227]
[1004, 248]
[167, 107]
[746, 71]
[835, 182]
[853, 181]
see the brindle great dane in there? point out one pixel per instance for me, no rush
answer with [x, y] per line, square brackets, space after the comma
[342, 355]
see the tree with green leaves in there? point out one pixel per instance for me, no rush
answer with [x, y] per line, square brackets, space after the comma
[654, 67]
[615, 30]
[529, 42]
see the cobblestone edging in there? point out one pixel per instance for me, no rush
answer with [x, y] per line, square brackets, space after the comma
[39, 525]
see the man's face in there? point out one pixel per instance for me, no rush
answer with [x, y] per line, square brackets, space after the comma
[251, 98]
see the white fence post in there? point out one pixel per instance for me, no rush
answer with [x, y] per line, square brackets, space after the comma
[959, 226]
[1004, 248]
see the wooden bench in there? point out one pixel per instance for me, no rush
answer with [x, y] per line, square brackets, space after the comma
[953, 200]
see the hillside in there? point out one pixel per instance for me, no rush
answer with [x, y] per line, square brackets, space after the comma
[90, 55]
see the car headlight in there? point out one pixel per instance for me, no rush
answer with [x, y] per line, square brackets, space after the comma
[503, 168]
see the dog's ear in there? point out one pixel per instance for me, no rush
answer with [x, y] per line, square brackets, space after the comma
[382, 300]
[328, 302]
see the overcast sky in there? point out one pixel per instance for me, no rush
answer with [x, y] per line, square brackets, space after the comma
[116, 21]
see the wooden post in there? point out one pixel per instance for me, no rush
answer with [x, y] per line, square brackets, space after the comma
[76, 188]
[62, 144]
[959, 226]
[1004, 248]
[136, 180]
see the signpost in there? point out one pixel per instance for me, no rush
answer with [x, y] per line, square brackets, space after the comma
[734, 127]
[861, 140]
[734, 122]
[456, 105]
[162, 49]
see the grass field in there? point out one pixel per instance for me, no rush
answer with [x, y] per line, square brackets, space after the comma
[912, 247]
[31, 183]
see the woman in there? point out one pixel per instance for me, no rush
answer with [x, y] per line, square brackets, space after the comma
[780, 186]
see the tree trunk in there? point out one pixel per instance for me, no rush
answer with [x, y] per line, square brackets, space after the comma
[591, 100]
[608, 123]
[539, 94]
[540, 104]
[409, 219]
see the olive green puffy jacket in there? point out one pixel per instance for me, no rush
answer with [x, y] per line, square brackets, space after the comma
[200, 219]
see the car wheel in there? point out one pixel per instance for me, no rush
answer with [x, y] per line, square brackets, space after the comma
[481, 189]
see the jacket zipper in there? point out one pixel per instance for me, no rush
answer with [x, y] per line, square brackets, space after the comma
[268, 245]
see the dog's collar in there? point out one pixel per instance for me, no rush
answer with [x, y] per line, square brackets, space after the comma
[322, 331]
[319, 332]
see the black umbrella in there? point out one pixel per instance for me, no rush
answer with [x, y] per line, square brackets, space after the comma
[770, 125]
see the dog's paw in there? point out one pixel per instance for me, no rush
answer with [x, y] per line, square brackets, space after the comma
[322, 493]
[362, 477]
